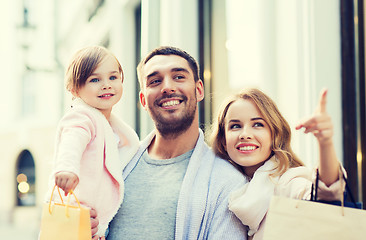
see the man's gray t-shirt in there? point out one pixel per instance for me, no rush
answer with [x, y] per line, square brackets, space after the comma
[150, 202]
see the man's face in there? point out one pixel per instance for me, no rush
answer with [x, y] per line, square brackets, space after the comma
[170, 94]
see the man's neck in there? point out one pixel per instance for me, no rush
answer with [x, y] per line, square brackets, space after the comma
[166, 147]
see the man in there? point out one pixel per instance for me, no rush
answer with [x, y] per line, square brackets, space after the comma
[176, 188]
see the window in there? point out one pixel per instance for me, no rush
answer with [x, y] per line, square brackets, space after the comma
[25, 180]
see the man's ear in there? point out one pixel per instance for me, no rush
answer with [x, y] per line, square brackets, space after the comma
[200, 90]
[142, 99]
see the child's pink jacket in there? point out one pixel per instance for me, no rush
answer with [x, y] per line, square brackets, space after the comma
[86, 144]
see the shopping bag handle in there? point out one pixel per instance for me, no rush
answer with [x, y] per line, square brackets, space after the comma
[343, 179]
[50, 201]
[68, 201]
[62, 201]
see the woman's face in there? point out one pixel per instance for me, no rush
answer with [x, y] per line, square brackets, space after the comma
[248, 136]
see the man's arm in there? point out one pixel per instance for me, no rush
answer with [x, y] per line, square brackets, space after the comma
[224, 224]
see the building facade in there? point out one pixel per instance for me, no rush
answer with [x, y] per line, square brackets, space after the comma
[289, 49]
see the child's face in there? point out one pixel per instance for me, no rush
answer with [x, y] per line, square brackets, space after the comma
[103, 88]
[248, 137]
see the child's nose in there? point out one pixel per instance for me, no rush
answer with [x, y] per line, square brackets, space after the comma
[106, 85]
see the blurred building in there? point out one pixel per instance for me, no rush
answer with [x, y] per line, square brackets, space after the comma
[290, 49]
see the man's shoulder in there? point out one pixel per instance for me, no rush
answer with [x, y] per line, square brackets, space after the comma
[224, 179]
[221, 168]
[224, 169]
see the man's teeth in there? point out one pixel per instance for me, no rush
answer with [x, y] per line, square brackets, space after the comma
[170, 103]
[107, 95]
[247, 148]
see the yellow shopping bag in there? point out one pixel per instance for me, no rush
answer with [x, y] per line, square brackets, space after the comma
[63, 221]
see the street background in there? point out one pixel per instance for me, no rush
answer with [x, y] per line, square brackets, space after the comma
[289, 49]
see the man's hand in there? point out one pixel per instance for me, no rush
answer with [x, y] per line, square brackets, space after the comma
[96, 237]
[67, 181]
[94, 222]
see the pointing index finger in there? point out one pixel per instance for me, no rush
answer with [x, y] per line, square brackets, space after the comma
[323, 101]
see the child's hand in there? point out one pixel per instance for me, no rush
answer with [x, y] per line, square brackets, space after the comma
[320, 123]
[67, 181]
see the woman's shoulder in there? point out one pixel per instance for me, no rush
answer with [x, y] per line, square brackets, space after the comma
[294, 173]
[294, 182]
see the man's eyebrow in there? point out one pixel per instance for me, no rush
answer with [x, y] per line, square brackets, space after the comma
[152, 74]
[172, 70]
[180, 70]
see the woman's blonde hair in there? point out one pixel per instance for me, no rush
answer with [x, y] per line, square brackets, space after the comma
[280, 130]
[82, 65]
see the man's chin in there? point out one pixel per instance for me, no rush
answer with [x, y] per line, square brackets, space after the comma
[173, 122]
[170, 117]
[173, 126]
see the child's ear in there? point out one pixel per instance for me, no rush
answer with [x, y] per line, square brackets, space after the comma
[74, 92]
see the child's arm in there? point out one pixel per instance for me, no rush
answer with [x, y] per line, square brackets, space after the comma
[320, 124]
[66, 181]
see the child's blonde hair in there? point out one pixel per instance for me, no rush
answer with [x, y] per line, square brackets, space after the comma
[280, 130]
[83, 64]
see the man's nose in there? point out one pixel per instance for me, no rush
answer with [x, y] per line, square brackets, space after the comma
[168, 86]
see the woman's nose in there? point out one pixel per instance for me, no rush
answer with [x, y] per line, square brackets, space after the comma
[245, 134]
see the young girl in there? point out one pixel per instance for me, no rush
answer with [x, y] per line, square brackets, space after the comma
[92, 145]
[252, 134]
